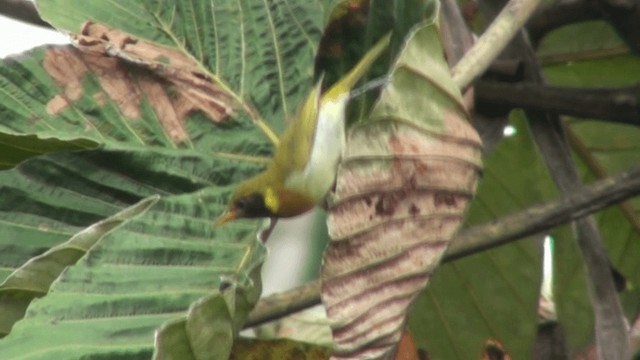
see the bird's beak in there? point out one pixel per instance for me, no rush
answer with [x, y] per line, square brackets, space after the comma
[227, 216]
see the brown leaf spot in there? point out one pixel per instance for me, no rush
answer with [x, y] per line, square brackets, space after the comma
[400, 145]
[116, 84]
[419, 184]
[386, 204]
[100, 98]
[127, 85]
[165, 109]
[198, 88]
[57, 104]
[367, 200]
[440, 199]
[67, 69]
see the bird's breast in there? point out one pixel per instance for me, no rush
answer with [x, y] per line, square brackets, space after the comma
[318, 175]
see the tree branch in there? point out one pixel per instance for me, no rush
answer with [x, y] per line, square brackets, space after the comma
[539, 218]
[479, 238]
[503, 28]
[456, 37]
[276, 306]
[619, 105]
[22, 10]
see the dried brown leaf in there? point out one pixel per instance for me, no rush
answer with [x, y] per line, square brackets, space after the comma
[401, 194]
[391, 223]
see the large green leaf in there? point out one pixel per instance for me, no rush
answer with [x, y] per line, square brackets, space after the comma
[34, 278]
[221, 56]
[156, 264]
[179, 104]
[493, 294]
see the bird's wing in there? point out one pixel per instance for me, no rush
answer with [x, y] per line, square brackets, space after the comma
[296, 143]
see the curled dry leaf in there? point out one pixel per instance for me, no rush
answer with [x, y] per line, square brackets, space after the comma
[403, 187]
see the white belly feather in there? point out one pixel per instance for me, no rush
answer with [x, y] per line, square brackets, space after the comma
[318, 176]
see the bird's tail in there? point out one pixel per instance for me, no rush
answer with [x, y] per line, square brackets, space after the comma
[346, 83]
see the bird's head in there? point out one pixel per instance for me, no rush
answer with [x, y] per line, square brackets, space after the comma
[254, 198]
[260, 198]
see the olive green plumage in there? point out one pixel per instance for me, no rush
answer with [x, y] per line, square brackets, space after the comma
[304, 165]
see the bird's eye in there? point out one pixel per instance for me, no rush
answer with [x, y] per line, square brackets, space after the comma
[249, 202]
[252, 206]
[243, 203]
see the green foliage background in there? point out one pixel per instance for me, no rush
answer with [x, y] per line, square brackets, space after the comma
[130, 212]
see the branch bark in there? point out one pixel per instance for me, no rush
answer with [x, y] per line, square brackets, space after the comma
[22, 10]
[456, 37]
[618, 105]
[479, 238]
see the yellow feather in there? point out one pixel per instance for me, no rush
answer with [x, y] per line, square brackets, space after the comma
[298, 143]
[271, 200]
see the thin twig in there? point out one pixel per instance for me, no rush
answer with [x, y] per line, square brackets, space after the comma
[500, 32]
[533, 220]
[276, 306]
[456, 37]
[540, 218]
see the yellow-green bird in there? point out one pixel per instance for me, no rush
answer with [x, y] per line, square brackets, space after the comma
[305, 163]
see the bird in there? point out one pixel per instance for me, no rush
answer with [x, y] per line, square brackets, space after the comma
[305, 162]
